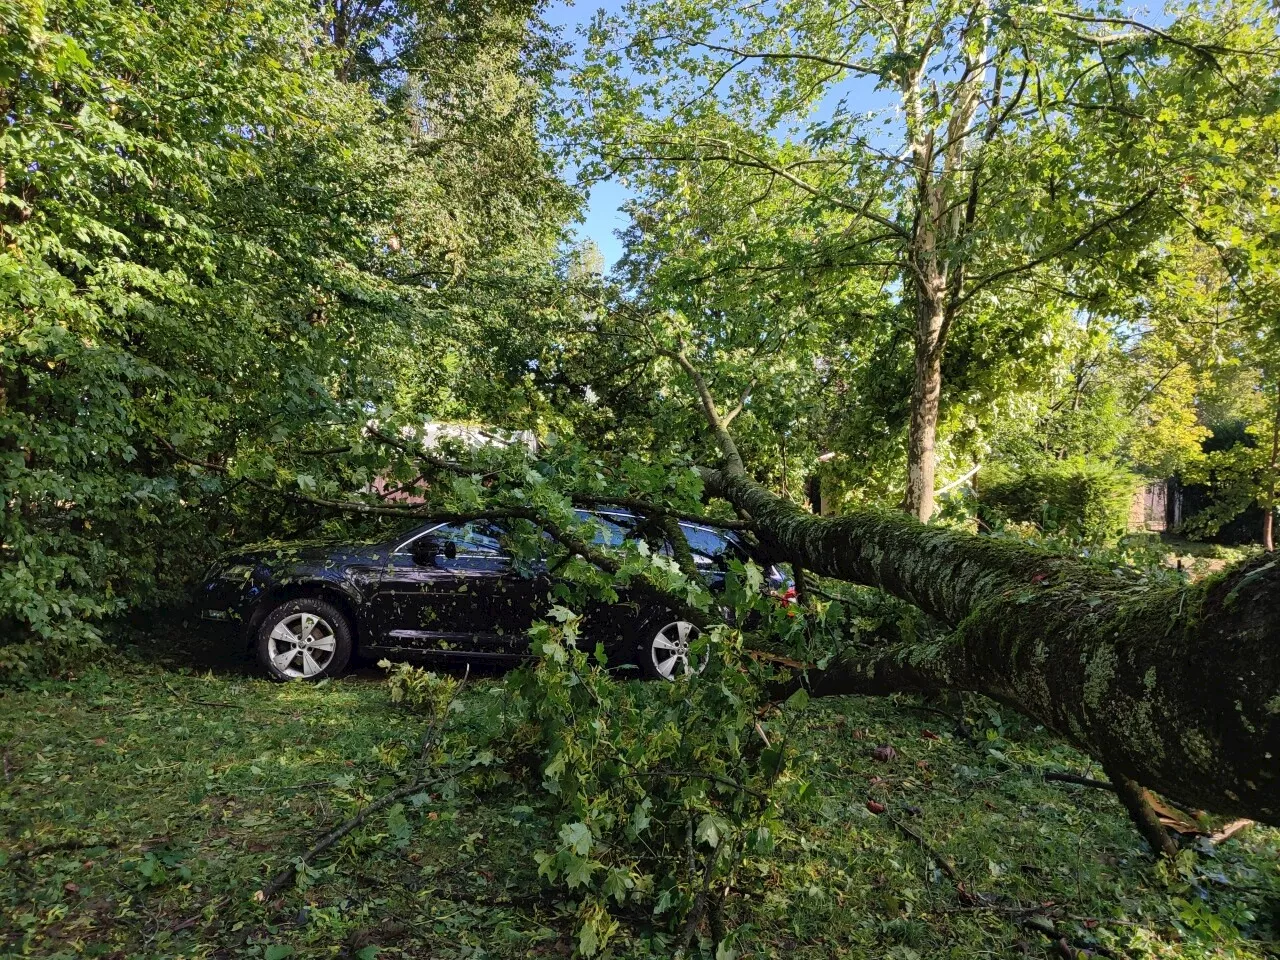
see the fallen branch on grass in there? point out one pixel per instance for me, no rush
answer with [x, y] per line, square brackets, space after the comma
[1078, 780]
[289, 873]
[947, 867]
[1066, 945]
[1168, 685]
[203, 703]
[62, 846]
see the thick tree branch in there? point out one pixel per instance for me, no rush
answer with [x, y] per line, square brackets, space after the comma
[1176, 687]
[720, 429]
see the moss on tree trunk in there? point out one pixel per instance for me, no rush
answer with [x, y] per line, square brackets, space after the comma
[1175, 687]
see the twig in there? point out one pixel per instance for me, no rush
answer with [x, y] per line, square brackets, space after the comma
[287, 875]
[60, 847]
[191, 921]
[955, 483]
[1042, 924]
[203, 703]
[290, 788]
[763, 735]
[694, 775]
[943, 862]
[962, 727]
[429, 735]
[699, 902]
[1078, 780]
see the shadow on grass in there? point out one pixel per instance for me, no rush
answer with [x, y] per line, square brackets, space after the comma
[178, 640]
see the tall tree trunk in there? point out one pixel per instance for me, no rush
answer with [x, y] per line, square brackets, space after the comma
[926, 391]
[926, 396]
[1176, 687]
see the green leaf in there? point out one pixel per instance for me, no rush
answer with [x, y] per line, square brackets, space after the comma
[711, 830]
[576, 837]
[616, 884]
[577, 871]
[588, 939]
[397, 824]
[798, 700]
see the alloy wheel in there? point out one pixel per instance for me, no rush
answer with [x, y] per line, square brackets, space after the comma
[301, 645]
[669, 650]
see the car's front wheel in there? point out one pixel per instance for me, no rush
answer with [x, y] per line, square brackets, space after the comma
[304, 639]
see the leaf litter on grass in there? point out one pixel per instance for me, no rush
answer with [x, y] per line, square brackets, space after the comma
[139, 822]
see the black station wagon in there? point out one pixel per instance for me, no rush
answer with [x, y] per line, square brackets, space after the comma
[441, 590]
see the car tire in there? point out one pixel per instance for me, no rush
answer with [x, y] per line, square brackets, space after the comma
[662, 647]
[304, 639]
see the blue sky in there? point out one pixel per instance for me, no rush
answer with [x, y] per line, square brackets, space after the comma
[603, 215]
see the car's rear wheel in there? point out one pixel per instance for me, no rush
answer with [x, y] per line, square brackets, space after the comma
[304, 639]
[667, 649]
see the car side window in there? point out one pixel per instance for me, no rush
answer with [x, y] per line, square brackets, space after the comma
[709, 548]
[474, 539]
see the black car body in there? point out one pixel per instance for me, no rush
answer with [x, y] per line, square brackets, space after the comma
[442, 589]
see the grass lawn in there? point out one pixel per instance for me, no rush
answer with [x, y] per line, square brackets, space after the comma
[142, 808]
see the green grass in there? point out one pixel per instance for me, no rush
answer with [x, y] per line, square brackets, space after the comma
[143, 807]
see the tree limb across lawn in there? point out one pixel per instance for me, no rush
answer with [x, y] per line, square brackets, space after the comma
[1174, 687]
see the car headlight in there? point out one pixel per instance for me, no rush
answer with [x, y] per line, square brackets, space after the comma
[237, 572]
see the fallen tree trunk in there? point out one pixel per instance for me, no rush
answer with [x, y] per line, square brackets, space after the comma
[1175, 687]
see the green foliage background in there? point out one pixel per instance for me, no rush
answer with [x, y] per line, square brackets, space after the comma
[1079, 498]
[220, 249]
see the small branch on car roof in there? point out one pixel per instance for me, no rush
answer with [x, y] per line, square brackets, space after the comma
[639, 505]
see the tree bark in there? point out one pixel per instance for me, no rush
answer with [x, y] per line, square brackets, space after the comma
[926, 392]
[1176, 687]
